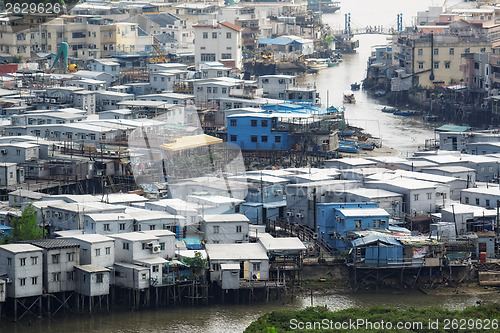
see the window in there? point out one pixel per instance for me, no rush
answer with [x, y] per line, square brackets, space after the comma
[97, 252]
[208, 57]
[429, 196]
[69, 276]
[162, 246]
[415, 197]
[447, 64]
[98, 278]
[436, 51]
[216, 229]
[224, 90]
[34, 280]
[238, 228]
[70, 256]
[467, 200]
[228, 35]
[209, 90]
[56, 276]
[22, 282]
[233, 138]
[277, 139]
[144, 276]
[106, 227]
[263, 138]
[216, 90]
[108, 250]
[452, 51]
[155, 268]
[467, 50]
[487, 203]
[125, 246]
[264, 123]
[420, 65]
[23, 261]
[122, 226]
[55, 258]
[34, 260]
[9, 261]
[232, 122]
[152, 227]
[18, 152]
[483, 49]
[253, 138]
[436, 64]
[420, 51]
[214, 35]
[226, 56]
[254, 123]
[256, 266]
[357, 223]
[376, 223]
[205, 35]
[477, 201]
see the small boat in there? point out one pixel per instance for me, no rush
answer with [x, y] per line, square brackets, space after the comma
[386, 109]
[431, 117]
[404, 113]
[317, 64]
[346, 133]
[348, 149]
[333, 62]
[355, 86]
[349, 98]
[379, 92]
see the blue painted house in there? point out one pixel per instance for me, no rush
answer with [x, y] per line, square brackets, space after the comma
[265, 198]
[335, 220]
[376, 250]
[256, 131]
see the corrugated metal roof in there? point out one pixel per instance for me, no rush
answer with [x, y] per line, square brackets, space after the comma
[452, 128]
[55, 243]
[275, 41]
[372, 239]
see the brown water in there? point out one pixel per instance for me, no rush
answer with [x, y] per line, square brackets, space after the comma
[231, 318]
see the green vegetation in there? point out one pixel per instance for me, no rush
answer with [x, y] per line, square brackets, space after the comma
[471, 319]
[26, 227]
[197, 262]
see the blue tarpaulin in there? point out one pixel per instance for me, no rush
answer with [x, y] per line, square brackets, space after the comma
[193, 243]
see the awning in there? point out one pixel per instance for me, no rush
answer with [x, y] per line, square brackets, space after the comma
[192, 141]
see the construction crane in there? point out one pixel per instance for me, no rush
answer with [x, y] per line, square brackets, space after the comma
[62, 54]
[158, 56]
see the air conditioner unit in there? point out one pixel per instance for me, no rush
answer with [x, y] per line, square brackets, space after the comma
[53, 100]
[300, 215]
[47, 100]
[149, 245]
[289, 213]
[156, 249]
[58, 214]
[8, 280]
[338, 218]
[3, 151]
[315, 236]
[277, 192]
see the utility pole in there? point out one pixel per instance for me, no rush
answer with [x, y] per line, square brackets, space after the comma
[314, 211]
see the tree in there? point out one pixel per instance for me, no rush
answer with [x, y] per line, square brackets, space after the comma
[26, 227]
[197, 262]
